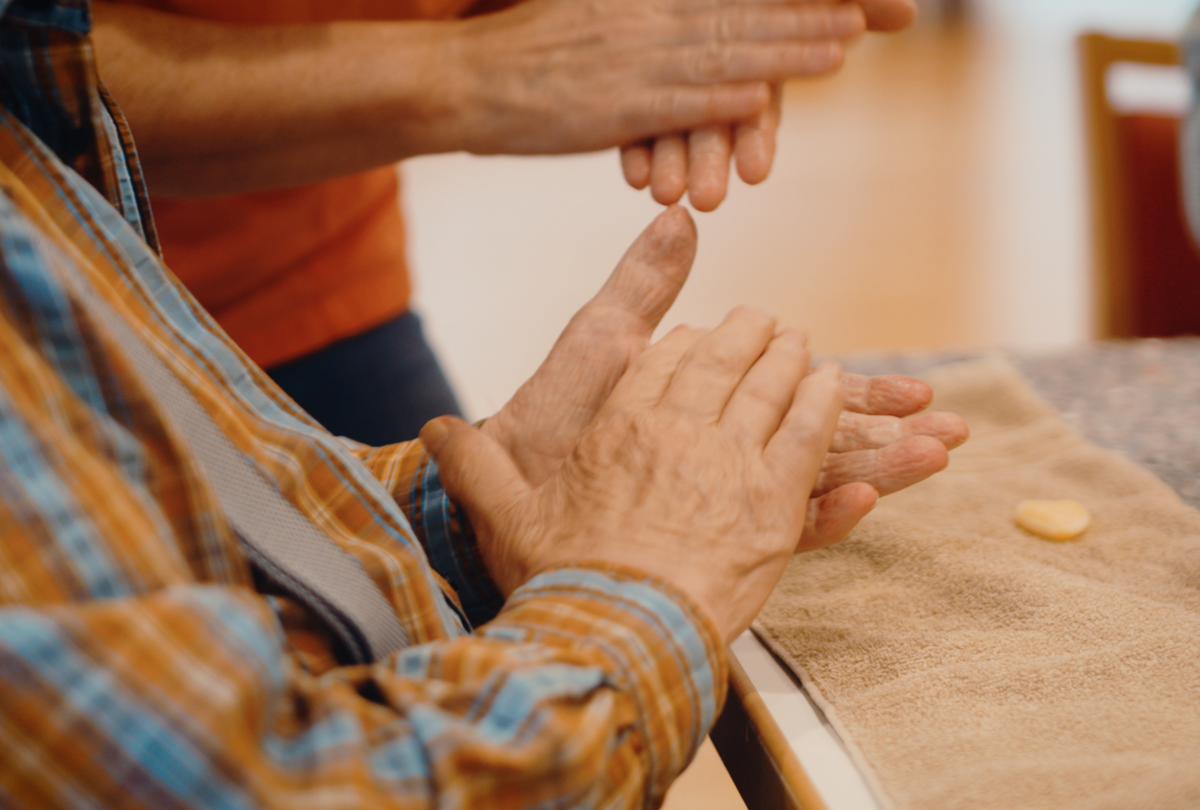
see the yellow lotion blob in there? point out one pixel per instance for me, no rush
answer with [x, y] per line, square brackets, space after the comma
[1054, 520]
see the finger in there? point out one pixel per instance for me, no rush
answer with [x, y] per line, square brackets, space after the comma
[888, 469]
[668, 169]
[858, 431]
[709, 150]
[757, 407]
[891, 395]
[798, 448]
[765, 24]
[650, 375]
[754, 142]
[483, 479]
[834, 515]
[681, 108]
[735, 62]
[888, 15]
[635, 164]
[599, 343]
[475, 471]
[645, 282]
[712, 370]
[610, 330]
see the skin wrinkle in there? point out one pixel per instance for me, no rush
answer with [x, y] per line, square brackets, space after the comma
[889, 468]
[886, 431]
[886, 394]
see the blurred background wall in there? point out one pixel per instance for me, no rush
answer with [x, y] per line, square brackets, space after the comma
[930, 195]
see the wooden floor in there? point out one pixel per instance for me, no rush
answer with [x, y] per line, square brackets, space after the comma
[704, 786]
[929, 196]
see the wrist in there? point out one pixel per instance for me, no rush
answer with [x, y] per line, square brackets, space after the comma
[425, 88]
[468, 81]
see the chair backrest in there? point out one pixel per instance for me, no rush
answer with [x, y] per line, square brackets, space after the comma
[1147, 268]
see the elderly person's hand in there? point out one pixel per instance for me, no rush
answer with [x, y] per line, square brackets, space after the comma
[697, 470]
[697, 162]
[881, 442]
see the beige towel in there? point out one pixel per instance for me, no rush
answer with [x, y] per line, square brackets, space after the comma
[969, 664]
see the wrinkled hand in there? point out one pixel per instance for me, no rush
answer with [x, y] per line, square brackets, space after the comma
[557, 76]
[697, 162]
[883, 442]
[696, 470]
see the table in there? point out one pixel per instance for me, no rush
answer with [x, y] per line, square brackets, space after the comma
[1139, 398]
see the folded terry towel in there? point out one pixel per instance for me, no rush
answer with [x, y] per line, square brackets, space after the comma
[969, 664]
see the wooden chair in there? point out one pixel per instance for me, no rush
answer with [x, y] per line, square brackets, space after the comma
[1147, 268]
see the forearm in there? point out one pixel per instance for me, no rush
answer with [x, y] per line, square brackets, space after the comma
[219, 109]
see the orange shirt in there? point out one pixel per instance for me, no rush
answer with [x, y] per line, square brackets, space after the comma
[287, 272]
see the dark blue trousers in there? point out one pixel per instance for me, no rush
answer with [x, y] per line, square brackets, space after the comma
[377, 387]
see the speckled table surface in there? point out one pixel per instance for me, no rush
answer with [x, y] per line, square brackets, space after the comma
[1140, 398]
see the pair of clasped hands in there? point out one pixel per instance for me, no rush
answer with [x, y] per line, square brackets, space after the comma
[706, 459]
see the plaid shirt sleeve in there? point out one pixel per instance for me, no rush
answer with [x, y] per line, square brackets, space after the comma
[409, 472]
[144, 664]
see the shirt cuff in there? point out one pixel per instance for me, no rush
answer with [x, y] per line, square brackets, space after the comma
[450, 544]
[410, 474]
[653, 642]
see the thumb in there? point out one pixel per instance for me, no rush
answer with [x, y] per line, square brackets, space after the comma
[475, 471]
[650, 275]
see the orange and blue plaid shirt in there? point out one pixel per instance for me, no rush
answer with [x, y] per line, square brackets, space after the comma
[143, 664]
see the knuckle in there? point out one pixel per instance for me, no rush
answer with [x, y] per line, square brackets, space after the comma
[884, 430]
[773, 397]
[730, 25]
[683, 330]
[753, 317]
[823, 56]
[605, 446]
[818, 21]
[710, 62]
[720, 360]
[668, 106]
